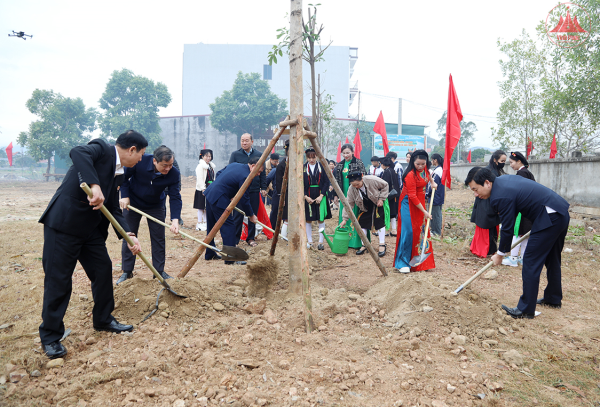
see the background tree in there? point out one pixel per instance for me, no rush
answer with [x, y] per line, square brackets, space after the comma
[551, 90]
[63, 124]
[478, 154]
[249, 107]
[311, 38]
[520, 116]
[571, 89]
[131, 102]
[467, 133]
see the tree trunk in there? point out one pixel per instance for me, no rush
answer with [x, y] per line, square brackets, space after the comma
[298, 258]
[296, 228]
[48, 168]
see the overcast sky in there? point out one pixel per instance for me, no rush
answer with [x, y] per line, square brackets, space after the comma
[405, 49]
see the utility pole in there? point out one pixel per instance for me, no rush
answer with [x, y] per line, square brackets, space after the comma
[399, 116]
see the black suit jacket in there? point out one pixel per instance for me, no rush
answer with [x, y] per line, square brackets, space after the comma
[240, 156]
[69, 210]
[512, 194]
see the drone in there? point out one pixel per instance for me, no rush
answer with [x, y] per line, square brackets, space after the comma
[20, 34]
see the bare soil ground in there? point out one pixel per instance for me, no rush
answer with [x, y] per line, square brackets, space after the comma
[382, 341]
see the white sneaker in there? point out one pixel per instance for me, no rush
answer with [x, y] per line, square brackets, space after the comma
[404, 270]
[284, 229]
[203, 226]
[510, 261]
[520, 260]
[198, 226]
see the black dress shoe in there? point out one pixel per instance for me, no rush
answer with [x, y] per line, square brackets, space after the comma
[164, 275]
[361, 251]
[239, 263]
[320, 247]
[216, 257]
[114, 326]
[542, 301]
[125, 276]
[517, 313]
[55, 350]
[381, 254]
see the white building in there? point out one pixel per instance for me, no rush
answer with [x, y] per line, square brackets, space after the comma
[211, 69]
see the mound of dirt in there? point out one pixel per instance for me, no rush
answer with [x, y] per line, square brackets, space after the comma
[262, 274]
[317, 259]
[420, 299]
[136, 298]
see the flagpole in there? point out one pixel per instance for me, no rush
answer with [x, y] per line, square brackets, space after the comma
[358, 116]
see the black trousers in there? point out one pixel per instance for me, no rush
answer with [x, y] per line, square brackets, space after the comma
[274, 209]
[60, 255]
[238, 218]
[544, 249]
[213, 213]
[157, 239]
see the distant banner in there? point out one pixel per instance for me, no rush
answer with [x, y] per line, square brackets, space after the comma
[398, 143]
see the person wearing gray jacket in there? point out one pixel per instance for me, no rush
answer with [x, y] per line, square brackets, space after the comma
[369, 193]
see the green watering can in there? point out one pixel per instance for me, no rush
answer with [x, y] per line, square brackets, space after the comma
[341, 239]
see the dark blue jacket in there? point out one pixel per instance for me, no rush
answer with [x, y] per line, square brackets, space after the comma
[512, 194]
[227, 183]
[440, 193]
[271, 179]
[146, 190]
[240, 156]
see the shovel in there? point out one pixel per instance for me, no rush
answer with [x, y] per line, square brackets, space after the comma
[417, 260]
[261, 224]
[490, 264]
[231, 253]
[128, 239]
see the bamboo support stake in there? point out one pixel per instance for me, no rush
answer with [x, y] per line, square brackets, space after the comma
[284, 183]
[344, 201]
[211, 235]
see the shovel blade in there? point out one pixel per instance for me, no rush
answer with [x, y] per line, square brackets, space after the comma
[417, 260]
[234, 253]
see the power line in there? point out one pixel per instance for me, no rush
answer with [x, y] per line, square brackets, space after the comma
[429, 106]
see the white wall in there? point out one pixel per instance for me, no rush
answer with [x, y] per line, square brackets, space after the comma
[210, 69]
[186, 136]
[575, 179]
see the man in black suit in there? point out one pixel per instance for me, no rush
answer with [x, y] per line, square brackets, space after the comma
[75, 230]
[256, 189]
[510, 195]
[219, 194]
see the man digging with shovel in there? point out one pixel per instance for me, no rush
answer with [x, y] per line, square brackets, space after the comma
[510, 195]
[75, 230]
[218, 195]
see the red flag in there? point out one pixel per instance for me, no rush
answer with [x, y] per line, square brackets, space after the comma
[263, 217]
[357, 145]
[469, 157]
[553, 149]
[529, 148]
[380, 129]
[273, 151]
[347, 142]
[204, 148]
[453, 119]
[339, 154]
[9, 154]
